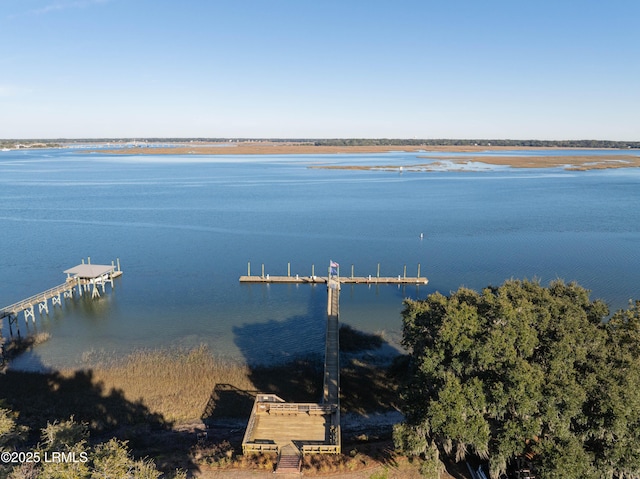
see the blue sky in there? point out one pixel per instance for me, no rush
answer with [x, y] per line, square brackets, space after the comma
[317, 69]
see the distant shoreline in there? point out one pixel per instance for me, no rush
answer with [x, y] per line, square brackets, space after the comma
[577, 162]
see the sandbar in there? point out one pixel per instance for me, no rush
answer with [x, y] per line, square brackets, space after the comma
[568, 162]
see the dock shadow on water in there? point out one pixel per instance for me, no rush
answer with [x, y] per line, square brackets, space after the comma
[287, 358]
[371, 371]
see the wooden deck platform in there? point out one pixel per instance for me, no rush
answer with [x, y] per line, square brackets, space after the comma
[274, 424]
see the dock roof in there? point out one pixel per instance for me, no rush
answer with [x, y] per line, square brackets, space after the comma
[90, 271]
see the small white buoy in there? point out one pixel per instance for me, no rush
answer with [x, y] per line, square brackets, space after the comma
[421, 235]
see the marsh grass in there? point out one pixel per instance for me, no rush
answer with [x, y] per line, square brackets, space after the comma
[174, 383]
[184, 385]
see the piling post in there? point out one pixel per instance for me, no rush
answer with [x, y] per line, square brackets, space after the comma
[405, 271]
[418, 270]
[43, 306]
[288, 270]
[29, 312]
[313, 270]
[118, 262]
[351, 271]
[262, 270]
[378, 275]
[248, 268]
[88, 259]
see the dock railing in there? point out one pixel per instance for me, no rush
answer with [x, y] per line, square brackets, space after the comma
[36, 298]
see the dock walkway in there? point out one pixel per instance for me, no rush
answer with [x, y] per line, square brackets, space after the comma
[331, 390]
[40, 299]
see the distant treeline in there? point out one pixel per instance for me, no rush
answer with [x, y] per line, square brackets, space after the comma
[510, 143]
[340, 142]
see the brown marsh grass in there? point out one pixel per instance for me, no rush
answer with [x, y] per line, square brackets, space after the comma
[175, 383]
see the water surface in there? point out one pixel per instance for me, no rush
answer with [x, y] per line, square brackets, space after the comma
[185, 227]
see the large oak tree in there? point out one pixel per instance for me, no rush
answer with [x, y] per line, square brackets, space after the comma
[524, 369]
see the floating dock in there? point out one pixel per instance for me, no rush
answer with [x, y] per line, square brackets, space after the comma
[334, 276]
[342, 279]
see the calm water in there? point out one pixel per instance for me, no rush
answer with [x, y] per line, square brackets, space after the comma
[184, 229]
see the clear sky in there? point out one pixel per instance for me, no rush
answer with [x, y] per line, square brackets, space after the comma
[520, 69]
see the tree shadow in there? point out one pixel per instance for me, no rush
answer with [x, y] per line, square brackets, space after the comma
[46, 397]
[51, 396]
[228, 401]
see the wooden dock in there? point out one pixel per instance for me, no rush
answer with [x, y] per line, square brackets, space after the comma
[292, 429]
[82, 279]
[342, 279]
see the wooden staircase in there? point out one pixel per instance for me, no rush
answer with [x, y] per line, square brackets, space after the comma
[289, 460]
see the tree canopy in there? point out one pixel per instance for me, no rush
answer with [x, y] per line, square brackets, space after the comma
[525, 371]
[64, 453]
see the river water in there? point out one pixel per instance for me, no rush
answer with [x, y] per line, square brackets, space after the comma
[185, 228]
